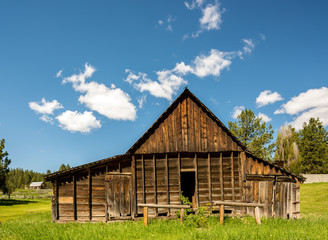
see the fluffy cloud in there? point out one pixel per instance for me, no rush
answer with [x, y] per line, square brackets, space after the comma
[59, 73]
[236, 111]
[211, 19]
[45, 108]
[141, 100]
[169, 81]
[264, 117]
[111, 102]
[267, 97]
[312, 103]
[78, 122]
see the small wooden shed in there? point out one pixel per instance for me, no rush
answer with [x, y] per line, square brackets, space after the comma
[187, 150]
[37, 185]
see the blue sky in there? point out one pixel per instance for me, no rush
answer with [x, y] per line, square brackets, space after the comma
[83, 80]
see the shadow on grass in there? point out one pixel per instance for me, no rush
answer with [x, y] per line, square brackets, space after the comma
[11, 202]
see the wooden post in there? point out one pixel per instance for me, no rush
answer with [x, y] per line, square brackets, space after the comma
[257, 215]
[196, 182]
[167, 183]
[221, 214]
[155, 183]
[57, 200]
[143, 178]
[90, 194]
[221, 177]
[74, 198]
[133, 186]
[145, 216]
[181, 215]
[209, 179]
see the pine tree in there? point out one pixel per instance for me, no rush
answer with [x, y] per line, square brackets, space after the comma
[253, 133]
[313, 145]
[4, 163]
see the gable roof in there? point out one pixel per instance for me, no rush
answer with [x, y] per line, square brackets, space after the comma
[184, 95]
[36, 184]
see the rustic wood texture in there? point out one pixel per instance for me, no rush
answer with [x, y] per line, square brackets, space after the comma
[188, 128]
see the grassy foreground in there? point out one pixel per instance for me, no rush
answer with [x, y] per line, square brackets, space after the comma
[313, 225]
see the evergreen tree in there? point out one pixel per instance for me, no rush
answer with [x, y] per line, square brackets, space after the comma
[4, 163]
[64, 167]
[287, 149]
[313, 145]
[253, 133]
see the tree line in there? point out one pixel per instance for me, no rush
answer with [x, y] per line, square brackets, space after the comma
[303, 151]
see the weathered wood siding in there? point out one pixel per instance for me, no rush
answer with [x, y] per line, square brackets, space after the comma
[188, 129]
[158, 176]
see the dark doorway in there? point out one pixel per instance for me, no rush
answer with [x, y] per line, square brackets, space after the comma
[188, 186]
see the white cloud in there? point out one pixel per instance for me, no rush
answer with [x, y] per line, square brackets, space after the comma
[45, 107]
[167, 23]
[213, 100]
[141, 100]
[264, 117]
[59, 73]
[236, 111]
[111, 102]
[160, 22]
[312, 103]
[47, 119]
[167, 84]
[249, 45]
[211, 19]
[78, 122]
[267, 97]
[169, 81]
[194, 4]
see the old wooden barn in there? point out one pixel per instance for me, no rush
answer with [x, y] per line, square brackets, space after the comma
[188, 150]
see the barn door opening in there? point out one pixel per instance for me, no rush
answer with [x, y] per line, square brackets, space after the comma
[118, 196]
[188, 186]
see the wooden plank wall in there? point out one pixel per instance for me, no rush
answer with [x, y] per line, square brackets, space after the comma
[86, 200]
[188, 129]
[159, 182]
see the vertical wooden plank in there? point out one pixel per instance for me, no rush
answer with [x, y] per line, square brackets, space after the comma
[209, 177]
[232, 178]
[190, 116]
[196, 128]
[106, 194]
[178, 127]
[90, 194]
[134, 186]
[121, 195]
[57, 199]
[221, 177]
[167, 182]
[155, 183]
[143, 178]
[181, 215]
[179, 173]
[257, 215]
[74, 198]
[196, 180]
[184, 124]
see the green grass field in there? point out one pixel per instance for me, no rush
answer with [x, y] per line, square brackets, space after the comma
[313, 225]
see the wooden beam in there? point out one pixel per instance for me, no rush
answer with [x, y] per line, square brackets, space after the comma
[179, 173]
[196, 181]
[143, 178]
[167, 182]
[209, 177]
[257, 215]
[181, 215]
[133, 186]
[74, 198]
[151, 205]
[232, 178]
[155, 183]
[221, 177]
[90, 194]
[238, 204]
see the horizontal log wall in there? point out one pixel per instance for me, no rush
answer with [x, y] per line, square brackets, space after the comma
[188, 129]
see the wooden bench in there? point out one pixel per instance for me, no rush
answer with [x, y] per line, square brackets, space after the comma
[152, 205]
[240, 204]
